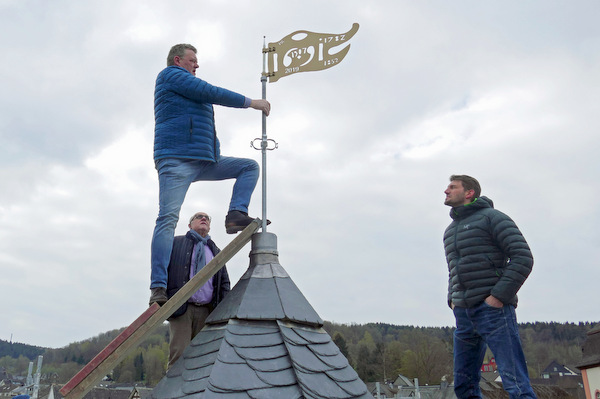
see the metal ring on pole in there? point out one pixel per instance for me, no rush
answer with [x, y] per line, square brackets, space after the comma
[266, 145]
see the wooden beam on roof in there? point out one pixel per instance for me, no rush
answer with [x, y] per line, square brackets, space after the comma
[92, 373]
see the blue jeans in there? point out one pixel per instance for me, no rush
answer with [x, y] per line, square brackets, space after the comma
[174, 178]
[496, 327]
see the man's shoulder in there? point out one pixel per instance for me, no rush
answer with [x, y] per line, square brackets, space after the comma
[174, 74]
[489, 216]
[171, 69]
[179, 240]
[213, 246]
[488, 211]
[493, 214]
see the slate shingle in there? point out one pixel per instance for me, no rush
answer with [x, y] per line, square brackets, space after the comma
[321, 387]
[277, 364]
[195, 386]
[235, 377]
[290, 392]
[254, 341]
[193, 374]
[342, 375]
[263, 353]
[204, 360]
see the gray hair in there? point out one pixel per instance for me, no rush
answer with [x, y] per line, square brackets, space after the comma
[178, 50]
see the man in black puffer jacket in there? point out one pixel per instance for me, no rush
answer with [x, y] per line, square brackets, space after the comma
[190, 253]
[488, 261]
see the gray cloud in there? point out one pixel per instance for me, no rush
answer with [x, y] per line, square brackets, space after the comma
[355, 191]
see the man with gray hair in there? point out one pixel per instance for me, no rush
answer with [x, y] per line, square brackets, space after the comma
[488, 262]
[186, 150]
[191, 252]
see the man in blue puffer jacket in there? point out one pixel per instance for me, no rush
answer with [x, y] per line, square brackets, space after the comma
[186, 149]
[488, 262]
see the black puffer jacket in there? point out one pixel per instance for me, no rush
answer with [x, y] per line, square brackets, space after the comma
[179, 271]
[486, 255]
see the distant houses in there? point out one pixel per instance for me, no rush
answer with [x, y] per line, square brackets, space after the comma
[7, 388]
[556, 381]
[555, 369]
[489, 365]
[489, 390]
[118, 391]
[567, 378]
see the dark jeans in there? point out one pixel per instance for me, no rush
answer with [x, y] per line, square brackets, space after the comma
[174, 178]
[496, 327]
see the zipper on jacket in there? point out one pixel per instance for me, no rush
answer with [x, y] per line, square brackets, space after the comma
[215, 139]
[458, 255]
[191, 126]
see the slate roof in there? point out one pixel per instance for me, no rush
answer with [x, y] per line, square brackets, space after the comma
[140, 393]
[556, 368]
[591, 350]
[490, 376]
[385, 391]
[94, 393]
[263, 341]
[402, 381]
[7, 387]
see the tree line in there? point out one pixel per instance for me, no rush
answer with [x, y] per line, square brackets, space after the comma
[377, 351]
[380, 352]
[16, 349]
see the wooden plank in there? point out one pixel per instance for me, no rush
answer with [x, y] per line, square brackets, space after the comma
[129, 339]
[115, 343]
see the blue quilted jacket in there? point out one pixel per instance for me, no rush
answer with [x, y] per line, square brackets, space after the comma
[486, 255]
[184, 115]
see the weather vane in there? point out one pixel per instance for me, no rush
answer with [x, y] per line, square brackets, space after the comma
[300, 51]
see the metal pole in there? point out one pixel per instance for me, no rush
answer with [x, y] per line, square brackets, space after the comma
[36, 380]
[263, 144]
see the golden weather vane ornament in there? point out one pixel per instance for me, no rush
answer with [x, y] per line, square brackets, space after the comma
[304, 51]
[300, 51]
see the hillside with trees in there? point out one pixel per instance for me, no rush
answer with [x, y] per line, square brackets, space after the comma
[16, 349]
[377, 351]
[380, 351]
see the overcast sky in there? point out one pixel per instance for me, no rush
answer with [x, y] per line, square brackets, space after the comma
[507, 92]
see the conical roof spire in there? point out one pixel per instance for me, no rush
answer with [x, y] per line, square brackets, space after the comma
[265, 291]
[263, 341]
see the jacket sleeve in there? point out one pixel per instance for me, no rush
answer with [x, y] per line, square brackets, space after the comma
[225, 284]
[221, 278]
[449, 297]
[518, 257]
[179, 269]
[184, 83]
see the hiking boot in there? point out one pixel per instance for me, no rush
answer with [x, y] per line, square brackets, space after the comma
[158, 295]
[237, 220]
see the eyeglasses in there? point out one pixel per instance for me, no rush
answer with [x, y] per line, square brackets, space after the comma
[200, 217]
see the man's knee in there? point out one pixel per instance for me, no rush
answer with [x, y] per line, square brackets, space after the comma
[251, 165]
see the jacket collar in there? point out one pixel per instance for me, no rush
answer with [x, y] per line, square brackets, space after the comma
[463, 211]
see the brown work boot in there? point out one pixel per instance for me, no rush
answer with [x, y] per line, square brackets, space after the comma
[158, 295]
[237, 220]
